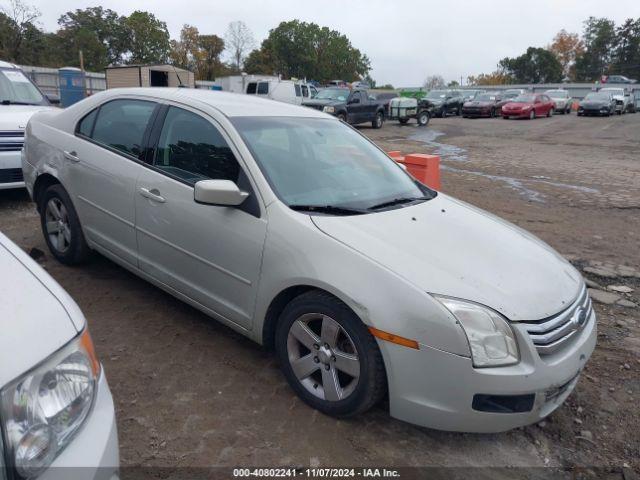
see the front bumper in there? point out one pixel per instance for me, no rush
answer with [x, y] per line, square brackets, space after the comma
[476, 112]
[93, 453]
[436, 389]
[516, 113]
[10, 170]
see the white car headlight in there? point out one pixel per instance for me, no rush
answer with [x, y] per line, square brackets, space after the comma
[490, 336]
[328, 109]
[44, 408]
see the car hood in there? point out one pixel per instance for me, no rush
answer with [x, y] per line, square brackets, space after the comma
[447, 247]
[16, 117]
[475, 103]
[35, 313]
[516, 105]
[594, 103]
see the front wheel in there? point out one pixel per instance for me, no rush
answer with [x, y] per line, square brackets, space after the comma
[377, 122]
[532, 115]
[328, 355]
[550, 112]
[61, 226]
[342, 117]
[423, 119]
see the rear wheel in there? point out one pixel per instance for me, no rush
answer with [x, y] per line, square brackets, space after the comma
[378, 121]
[61, 226]
[423, 119]
[550, 112]
[492, 114]
[328, 355]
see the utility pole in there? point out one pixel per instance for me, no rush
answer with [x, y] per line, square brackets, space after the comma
[84, 79]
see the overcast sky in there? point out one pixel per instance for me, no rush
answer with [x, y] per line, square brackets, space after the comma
[406, 40]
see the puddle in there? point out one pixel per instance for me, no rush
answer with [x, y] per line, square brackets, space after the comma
[458, 154]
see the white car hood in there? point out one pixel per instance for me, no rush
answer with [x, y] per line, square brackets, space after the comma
[447, 247]
[16, 117]
[35, 313]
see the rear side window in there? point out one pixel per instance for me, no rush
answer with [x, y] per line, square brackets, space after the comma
[298, 91]
[85, 126]
[305, 91]
[263, 88]
[121, 125]
[192, 149]
[251, 88]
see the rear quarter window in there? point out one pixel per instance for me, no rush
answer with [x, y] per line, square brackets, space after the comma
[263, 88]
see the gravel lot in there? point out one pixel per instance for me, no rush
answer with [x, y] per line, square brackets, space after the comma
[190, 392]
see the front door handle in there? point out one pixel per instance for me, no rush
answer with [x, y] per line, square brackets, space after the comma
[153, 194]
[72, 155]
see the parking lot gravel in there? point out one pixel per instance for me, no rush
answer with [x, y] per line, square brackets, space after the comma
[190, 392]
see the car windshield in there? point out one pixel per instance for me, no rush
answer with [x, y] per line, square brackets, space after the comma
[524, 99]
[437, 94]
[321, 162]
[597, 96]
[340, 94]
[557, 94]
[16, 88]
[486, 97]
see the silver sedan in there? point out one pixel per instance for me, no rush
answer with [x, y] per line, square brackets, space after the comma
[297, 231]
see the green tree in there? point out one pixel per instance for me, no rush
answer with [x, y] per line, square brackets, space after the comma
[536, 65]
[17, 22]
[110, 32]
[626, 51]
[209, 65]
[149, 38]
[599, 38]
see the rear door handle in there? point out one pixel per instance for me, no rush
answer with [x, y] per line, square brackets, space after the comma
[153, 194]
[72, 155]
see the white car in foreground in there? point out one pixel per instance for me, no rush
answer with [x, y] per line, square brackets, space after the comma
[19, 99]
[56, 411]
[299, 232]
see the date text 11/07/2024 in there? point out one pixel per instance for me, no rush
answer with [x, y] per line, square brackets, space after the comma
[315, 472]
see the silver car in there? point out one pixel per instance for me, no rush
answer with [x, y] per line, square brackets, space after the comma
[562, 99]
[297, 231]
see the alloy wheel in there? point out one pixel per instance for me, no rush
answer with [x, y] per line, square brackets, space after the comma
[323, 357]
[57, 225]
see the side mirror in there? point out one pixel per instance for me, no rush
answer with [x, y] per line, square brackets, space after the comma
[219, 192]
[53, 98]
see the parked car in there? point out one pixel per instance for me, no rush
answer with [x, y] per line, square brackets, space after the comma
[597, 103]
[19, 99]
[562, 100]
[623, 99]
[351, 106]
[56, 409]
[445, 102]
[618, 79]
[337, 83]
[384, 98]
[529, 105]
[287, 91]
[515, 92]
[299, 232]
[486, 104]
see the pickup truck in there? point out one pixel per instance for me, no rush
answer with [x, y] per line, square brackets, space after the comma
[351, 106]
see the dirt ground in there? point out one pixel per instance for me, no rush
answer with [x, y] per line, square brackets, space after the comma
[190, 392]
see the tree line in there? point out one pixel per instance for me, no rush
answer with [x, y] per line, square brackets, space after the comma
[292, 49]
[603, 48]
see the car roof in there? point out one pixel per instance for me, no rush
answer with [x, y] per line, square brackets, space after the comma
[7, 65]
[229, 104]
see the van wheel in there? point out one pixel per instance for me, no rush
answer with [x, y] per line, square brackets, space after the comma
[328, 355]
[377, 122]
[61, 227]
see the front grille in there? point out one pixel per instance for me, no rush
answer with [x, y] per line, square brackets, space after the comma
[317, 107]
[550, 334]
[11, 175]
[11, 140]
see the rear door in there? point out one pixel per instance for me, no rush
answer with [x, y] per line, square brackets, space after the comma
[210, 254]
[104, 161]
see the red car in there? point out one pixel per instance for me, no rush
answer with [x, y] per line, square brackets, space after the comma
[529, 105]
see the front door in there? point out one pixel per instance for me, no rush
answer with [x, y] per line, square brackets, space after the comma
[211, 254]
[103, 163]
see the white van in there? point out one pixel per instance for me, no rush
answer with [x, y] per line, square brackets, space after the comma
[287, 91]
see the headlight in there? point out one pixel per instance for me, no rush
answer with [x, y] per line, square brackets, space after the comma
[43, 409]
[490, 336]
[328, 109]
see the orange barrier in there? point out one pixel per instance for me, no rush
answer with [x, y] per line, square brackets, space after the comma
[424, 168]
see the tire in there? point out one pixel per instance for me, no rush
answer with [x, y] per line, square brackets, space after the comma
[299, 336]
[532, 115]
[459, 110]
[492, 114]
[423, 118]
[378, 121]
[342, 117]
[567, 111]
[61, 226]
[550, 112]
[403, 121]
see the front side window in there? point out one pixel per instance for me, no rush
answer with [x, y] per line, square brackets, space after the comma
[305, 91]
[263, 88]
[192, 149]
[251, 88]
[311, 161]
[121, 125]
[16, 88]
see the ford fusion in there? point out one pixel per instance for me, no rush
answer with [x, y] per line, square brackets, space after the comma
[297, 231]
[56, 413]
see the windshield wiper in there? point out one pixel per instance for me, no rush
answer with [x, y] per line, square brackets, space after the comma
[330, 209]
[398, 201]
[11, 102]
